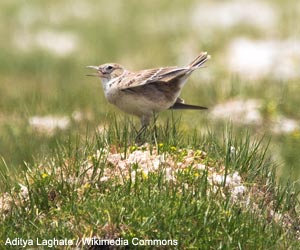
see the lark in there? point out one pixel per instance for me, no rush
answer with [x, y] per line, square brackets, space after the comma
[147, 92]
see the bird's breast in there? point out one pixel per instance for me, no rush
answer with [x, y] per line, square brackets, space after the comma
[136, 103]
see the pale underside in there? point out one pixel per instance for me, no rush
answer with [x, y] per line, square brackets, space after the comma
[150, 91]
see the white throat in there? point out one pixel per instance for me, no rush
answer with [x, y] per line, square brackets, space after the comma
[105, 83]
[109, 84]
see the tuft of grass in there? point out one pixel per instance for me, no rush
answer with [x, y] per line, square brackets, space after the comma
[110, 188]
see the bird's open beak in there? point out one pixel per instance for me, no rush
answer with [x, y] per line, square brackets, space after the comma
[93, 67]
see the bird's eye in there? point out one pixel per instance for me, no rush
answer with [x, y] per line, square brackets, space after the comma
[109, 67]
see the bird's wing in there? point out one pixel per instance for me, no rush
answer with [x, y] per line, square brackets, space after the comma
[163, 75]
[147, 76]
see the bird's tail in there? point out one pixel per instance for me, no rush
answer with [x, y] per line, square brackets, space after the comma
[199, 60]
[179, 105]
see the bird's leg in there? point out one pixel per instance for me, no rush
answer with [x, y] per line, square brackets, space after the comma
[154, 125]
[140, 133]
[145, 122]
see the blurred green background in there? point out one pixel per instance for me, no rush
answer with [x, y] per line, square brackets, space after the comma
[252, 80]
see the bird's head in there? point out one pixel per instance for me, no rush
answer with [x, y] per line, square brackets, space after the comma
[107, 71]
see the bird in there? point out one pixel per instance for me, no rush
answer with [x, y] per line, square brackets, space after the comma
[147, 92]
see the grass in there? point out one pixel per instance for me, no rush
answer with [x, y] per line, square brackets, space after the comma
[81, 192]
[38, 83]
[213, 186]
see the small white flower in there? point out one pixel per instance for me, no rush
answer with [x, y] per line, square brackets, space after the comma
[156, 163]
[200, 166]
[236, 178]
[24, 192]
[232, 150]
[133, 175]
[104, 178]
[170, 174]
[217, 179]
[238, 190]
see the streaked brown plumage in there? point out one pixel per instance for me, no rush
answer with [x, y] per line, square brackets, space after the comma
[149, 91]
